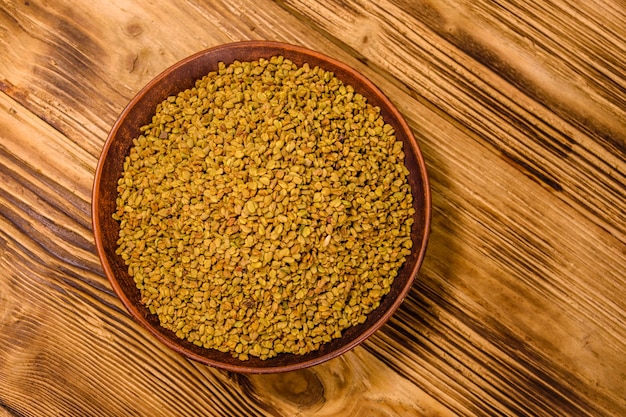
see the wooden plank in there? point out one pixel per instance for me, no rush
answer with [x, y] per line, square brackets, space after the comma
[512, 314]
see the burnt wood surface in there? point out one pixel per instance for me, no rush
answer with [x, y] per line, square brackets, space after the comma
[520, 111]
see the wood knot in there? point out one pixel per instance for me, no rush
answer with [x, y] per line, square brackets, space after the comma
[302, 388]
[133, 30]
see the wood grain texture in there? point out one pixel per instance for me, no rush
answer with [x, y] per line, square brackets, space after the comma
[520, 111]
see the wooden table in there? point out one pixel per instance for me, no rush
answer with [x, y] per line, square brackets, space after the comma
[520, 110]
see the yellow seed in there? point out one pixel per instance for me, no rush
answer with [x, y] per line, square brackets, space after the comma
[250, 206]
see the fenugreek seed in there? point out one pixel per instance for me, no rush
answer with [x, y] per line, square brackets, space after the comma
[251, 206]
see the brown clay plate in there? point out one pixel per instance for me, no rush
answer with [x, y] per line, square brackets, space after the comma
[140, 111]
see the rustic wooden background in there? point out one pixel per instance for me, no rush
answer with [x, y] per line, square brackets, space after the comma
[519, 108]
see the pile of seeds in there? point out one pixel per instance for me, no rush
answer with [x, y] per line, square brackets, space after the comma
[265, 210]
